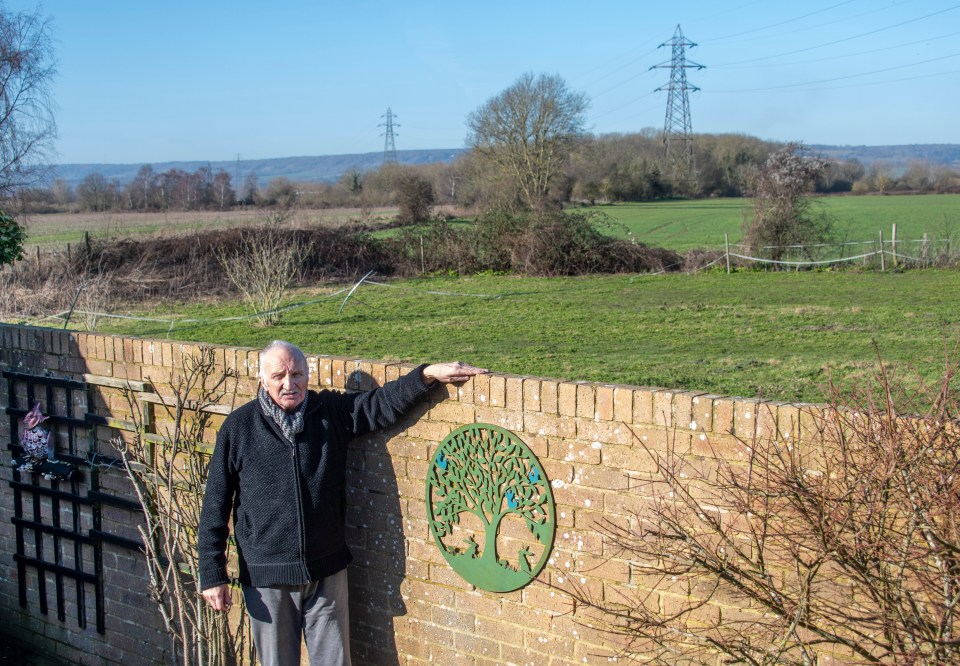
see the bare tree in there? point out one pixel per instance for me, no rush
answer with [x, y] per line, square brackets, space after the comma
[264, 266]
[139, 191]
[528, 131]
[223, 193]
[848, 546]
[94, 192]
[27, 125]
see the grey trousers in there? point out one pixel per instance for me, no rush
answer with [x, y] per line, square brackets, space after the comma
[281, 615]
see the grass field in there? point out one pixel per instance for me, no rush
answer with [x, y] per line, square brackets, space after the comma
[684, 225]
[775, 335]
[677, 225]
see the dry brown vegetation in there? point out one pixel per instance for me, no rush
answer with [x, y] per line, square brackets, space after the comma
[58, 229]
[183, 265]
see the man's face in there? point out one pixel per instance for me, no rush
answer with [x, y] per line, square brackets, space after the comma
[284, 378]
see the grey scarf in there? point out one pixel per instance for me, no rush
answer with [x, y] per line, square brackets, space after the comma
[290, 424]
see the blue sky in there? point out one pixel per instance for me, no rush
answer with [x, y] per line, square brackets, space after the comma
[148, 82]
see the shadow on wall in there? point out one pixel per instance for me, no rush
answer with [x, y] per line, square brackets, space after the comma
[77, 584]
[14, 654]
[377, 511]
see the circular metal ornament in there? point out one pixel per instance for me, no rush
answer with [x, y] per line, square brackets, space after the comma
[490, 507]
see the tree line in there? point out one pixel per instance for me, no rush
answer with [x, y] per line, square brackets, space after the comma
[600, 169]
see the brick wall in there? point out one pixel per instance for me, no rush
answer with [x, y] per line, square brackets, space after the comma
[408, 606]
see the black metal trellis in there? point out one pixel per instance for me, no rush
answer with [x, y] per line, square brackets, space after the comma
[71, 549]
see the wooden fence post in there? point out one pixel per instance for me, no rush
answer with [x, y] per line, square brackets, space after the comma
[883, 265]
[893, 241]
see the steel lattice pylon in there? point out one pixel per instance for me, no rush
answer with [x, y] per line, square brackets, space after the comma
[677, 133]
[389, 144]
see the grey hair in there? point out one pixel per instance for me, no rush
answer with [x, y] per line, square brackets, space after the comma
[289, 347]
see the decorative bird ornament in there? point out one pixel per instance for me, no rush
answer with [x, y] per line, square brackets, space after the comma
[39, 454]
[35, 439]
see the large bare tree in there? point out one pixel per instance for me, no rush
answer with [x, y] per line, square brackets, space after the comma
[527, 132]
[27, 126]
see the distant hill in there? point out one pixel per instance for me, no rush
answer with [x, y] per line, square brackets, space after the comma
[895, 157]
[329, 168]
[321, 168]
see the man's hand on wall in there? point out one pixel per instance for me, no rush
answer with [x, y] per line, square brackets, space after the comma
[446, 373]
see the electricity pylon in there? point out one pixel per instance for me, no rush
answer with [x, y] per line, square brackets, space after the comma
[677, 134]
[389, 144]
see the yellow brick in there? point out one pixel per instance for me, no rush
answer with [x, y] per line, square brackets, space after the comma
[643, 406]
[513, 393]
[623, 404]
[550, 426]
[586, 400]
[567, 399]
[548, 397]
[531, 394]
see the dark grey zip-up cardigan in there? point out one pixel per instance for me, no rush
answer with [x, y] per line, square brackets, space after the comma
[289, 501]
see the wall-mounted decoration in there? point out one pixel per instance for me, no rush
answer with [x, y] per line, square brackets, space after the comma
[490, 507]
[39, 453]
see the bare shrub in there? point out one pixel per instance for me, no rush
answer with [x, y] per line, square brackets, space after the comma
[168, 471]
[94, 299]
[847, 546]
[783, 215]
[187, 267]
[569, 243]
[210, 264]
[416, 197]
[263, 268]
[29, 291]
[434, 247]
[698, 259]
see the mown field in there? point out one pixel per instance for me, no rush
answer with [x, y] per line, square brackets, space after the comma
[780, 336]
[683, 225]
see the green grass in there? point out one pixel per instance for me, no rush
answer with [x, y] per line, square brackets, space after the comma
[774, 335]
[684, 225]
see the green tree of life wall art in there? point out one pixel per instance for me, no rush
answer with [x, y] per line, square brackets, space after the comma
[490, 507]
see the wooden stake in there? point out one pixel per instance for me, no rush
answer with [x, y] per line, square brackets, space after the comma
[894, 246]
[883, 265]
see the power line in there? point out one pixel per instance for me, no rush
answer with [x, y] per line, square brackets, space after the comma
[779, 23]
[849, 19]
[831, 58]
[840, 41]
[842, 78]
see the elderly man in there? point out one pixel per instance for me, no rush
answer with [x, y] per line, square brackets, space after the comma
[279, 467]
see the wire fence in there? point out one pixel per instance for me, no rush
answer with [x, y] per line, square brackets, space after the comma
[879, 253]
[173, 322]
